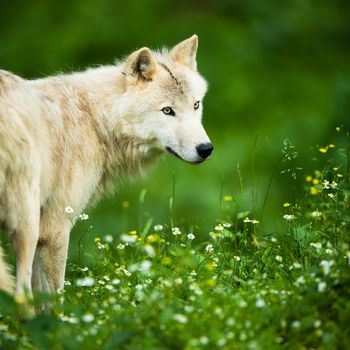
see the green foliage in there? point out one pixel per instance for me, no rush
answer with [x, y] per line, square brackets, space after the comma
[261, 258]
[234, 287]
[275, 69]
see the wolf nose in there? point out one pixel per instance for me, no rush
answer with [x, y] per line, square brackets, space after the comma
[204, 149]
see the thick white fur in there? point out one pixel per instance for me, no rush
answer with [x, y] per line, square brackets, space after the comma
[65, 140]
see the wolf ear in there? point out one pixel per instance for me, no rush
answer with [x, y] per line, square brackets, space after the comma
[185, 52]
[141, 64]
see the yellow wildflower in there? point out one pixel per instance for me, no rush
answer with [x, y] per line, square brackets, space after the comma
[285, 205]
[210, 282]
[20, 299]
[308, 178]
[228, 198]
[153, 238]
[166, 260]
[315, 181]
[313, 191]
[210, 267]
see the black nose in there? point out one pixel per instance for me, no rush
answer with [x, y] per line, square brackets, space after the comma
[204, 149]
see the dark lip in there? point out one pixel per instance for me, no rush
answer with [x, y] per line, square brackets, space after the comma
[171, 151]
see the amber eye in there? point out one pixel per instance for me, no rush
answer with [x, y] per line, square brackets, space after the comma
[168, 111]
[196, 105]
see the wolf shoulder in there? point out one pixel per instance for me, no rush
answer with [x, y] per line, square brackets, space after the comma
[9, 81]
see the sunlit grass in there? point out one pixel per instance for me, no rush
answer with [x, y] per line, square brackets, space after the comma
[167, 286]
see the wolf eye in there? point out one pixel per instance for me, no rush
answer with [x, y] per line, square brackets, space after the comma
[168, 111]
[196, 105]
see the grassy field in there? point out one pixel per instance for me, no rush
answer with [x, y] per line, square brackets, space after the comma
[237, 286]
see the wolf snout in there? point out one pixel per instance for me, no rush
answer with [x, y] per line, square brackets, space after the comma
[204, 150]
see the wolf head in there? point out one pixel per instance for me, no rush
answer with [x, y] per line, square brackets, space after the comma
[163, 100]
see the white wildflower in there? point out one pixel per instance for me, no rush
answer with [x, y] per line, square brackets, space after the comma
[189, 308]
[326, 266]
[321, 287]
[300, 280]
[176, 231]
[237, 258]
[88, 318]
[221, 342]
[296, 324]
[194, 287]
[204, 340]
[219, 227]
[108, 238]
[289, 217]
[317, 245]
[317, 323]
[279, 258]
[296, 265]
[149, 250]
[212, 235]
[85, 282]
[191, 236]
[326, 184]
[126, 272]
[145, 265]
[230, 322]
[121, 246]
[158, 228]
[71, 320]
[243, 304]
[69, 210]
[218, 311]
[128, 238]
[209, 248]
[260, 303]
[180, 318]
[83, 217]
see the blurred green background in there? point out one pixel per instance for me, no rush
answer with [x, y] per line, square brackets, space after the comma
[276, 70]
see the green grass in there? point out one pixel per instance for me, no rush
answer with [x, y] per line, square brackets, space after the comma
[234, 287]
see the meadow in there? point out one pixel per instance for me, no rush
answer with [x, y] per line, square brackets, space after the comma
[249, 250]
[168, 286]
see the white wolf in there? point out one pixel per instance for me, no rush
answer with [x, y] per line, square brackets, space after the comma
[64, 140]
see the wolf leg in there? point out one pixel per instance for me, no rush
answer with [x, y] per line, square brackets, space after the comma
[25, 239]
[51, 254]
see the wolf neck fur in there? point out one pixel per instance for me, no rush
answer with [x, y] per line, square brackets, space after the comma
[93, 94]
